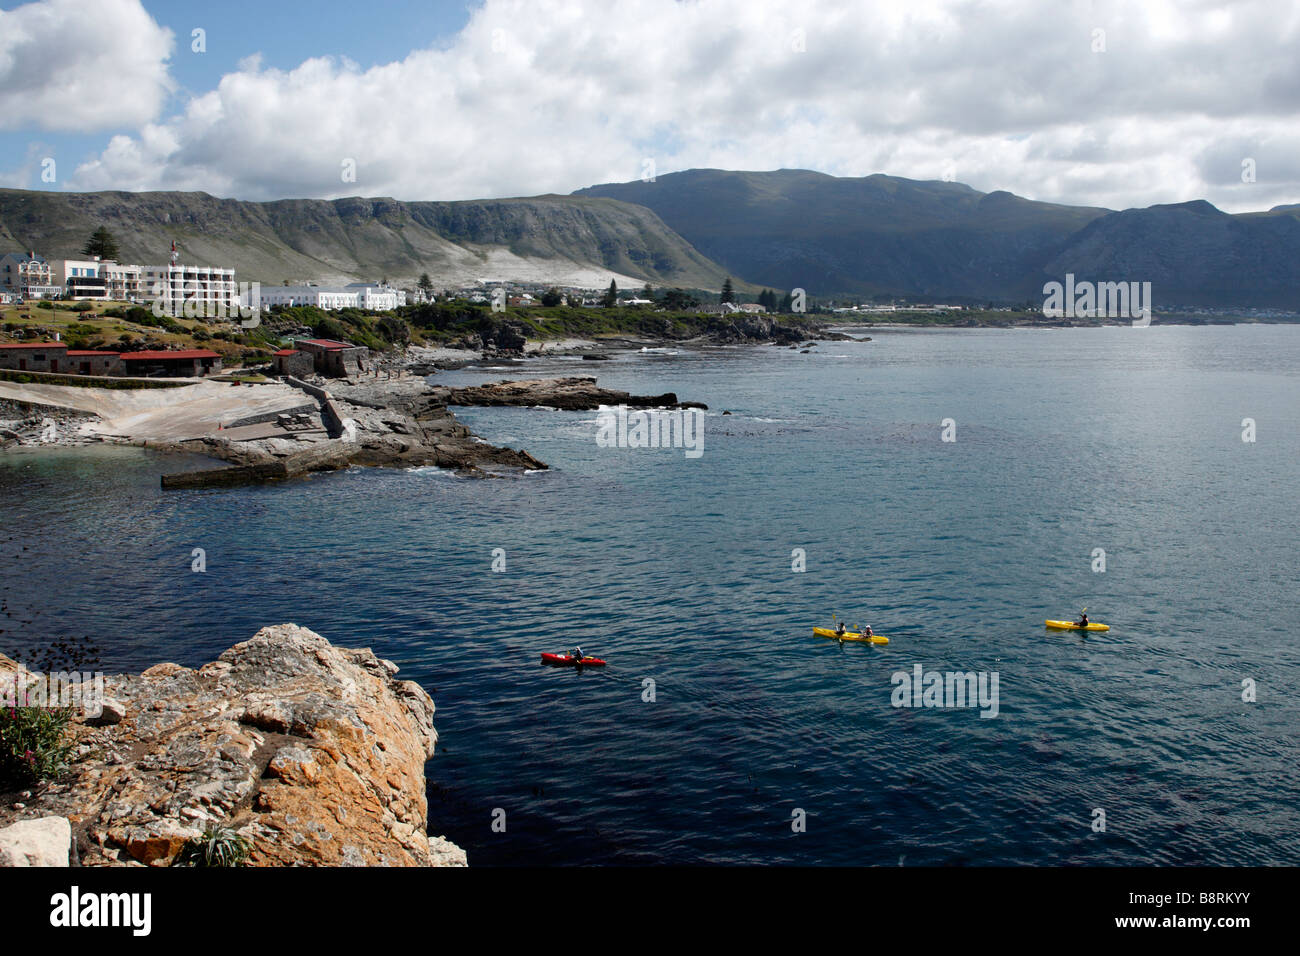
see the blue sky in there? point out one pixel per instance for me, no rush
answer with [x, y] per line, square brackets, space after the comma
[1114, 103]
[283, 32]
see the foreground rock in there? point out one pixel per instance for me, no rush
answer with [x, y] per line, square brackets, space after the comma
[43, 842]
[313, 753]
[576, 393]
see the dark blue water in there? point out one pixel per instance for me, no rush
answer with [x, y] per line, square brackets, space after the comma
[679, 571]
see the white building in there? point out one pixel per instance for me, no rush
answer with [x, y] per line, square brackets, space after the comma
[80, 279]
[356, 295]
[191, 290]
[381, 298]
[320, 296]
[125, 283]
[96, 278]
[28, 276]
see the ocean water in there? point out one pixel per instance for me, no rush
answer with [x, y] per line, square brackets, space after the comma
[679, 571]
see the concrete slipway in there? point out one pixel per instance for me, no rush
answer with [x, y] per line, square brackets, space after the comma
[162, 414]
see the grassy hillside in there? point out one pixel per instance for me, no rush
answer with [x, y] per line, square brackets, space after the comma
[120, 326]
[547, 239]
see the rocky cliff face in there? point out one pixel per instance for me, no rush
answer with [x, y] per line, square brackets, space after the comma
[314, 753]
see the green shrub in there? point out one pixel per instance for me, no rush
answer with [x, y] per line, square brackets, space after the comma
[218, 846]
[32, 741]
[83, 307]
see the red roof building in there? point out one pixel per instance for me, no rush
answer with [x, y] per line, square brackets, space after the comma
[162, 356]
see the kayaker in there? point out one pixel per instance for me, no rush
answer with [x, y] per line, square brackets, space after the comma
[1083, 618]
[577, 655]
[867, 631]
[839, 629]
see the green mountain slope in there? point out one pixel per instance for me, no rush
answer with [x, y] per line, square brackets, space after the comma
[874, 235]
[560, 239]
[882, 235]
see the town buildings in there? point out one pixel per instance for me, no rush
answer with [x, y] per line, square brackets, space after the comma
[177, 289]
[28, 276]
[356, 295]
[58, 358]
[336, 359]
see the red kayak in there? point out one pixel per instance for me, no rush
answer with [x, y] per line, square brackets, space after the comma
[566, 660]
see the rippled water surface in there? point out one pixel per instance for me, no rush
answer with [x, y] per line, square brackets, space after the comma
[679, 571]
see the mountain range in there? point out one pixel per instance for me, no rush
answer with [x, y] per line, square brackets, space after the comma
[885, 236]
[561, 240]
[876, 237]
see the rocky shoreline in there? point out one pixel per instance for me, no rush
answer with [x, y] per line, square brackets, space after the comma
[314, 754]
[400, 423]
[395, 418]
[573, 393]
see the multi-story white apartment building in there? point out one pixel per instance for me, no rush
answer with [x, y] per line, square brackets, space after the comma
[80, 278]
[125, 283]
[382, 298]
[357, 295]
[322, 297]
[28, 275]
[202, 290]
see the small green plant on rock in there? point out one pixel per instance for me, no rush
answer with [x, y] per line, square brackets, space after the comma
[218, 846]
[32, 744]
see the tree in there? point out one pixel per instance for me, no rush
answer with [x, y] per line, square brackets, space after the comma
[727, 294]
[787, 303]
[648, 293]
[677, 300]
[426, 285]
[101, 244]
[611, 295]
[552, 297]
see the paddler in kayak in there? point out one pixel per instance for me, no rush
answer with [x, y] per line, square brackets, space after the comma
[577, 655]
[1083, 619]
[839, 629]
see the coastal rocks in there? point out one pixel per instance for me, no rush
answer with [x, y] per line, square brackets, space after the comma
[42, 842]
[506, 337]
[754, 328]
[313, 753]
[576, 393]
[445, 853]
[398, 423]
[27, 423]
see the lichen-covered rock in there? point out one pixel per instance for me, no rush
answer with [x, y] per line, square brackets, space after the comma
[315, 754]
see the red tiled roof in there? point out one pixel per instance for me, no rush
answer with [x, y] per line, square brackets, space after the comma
[156, 356]
[286, 352]
[329, 344]
[84, 352]
[37, 345]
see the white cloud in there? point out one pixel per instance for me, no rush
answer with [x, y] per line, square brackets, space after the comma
[539, 97]
[72, 65]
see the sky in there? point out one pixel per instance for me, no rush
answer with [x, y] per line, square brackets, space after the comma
[1089, 102]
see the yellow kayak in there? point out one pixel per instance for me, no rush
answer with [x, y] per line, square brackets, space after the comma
[1071, 626]
[849, 635]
